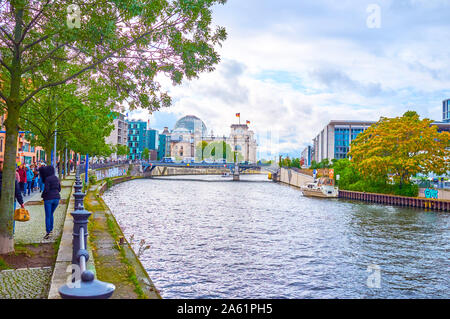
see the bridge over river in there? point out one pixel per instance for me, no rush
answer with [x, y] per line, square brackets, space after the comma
[235, 168]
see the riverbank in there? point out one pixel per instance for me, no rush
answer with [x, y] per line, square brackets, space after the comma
[114, 258]
[298, 179]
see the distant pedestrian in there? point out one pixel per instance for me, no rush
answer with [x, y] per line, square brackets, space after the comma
[22, 179]
[35, 177]
[30, 176]
[51, 196]
[40, 180]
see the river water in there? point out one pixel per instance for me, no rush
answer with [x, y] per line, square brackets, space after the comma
[214, 238]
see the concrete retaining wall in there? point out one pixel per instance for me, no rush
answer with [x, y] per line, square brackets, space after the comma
[443, 194]
[293, 178]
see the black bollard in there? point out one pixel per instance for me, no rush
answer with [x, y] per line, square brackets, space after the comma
[80, 220]
[85, 287]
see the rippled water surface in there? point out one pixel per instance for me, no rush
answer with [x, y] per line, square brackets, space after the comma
[214, 238]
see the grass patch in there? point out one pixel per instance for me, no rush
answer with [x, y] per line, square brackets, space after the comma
[21, 249]
[56, 246]
[3, 265]
[127, 272]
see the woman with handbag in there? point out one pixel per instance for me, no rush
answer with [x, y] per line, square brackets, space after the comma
[51, 196]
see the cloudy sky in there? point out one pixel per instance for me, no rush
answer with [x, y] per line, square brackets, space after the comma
[291, 66]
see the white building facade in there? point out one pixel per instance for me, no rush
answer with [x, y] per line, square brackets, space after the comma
[119, 136]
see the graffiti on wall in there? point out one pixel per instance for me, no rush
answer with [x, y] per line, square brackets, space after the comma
[110, 172]
[431, 193]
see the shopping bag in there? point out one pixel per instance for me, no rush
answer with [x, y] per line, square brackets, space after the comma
[21, 215]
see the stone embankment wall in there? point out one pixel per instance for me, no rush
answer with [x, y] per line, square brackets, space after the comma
[443, 194]
[293, 178]
[395, 200]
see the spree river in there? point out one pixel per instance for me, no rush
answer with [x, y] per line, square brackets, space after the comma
[211, 237]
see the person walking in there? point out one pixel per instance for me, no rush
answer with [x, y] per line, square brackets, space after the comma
[22, 179]
[17, 193]
[51, 196]
[40, 181]
[30, 176]
[35, 177]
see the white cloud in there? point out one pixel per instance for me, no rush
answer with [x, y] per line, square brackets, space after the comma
[342, 69]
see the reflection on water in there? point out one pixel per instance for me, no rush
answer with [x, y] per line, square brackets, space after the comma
[214, 238]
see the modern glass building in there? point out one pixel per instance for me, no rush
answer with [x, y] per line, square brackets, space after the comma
[136, 138]
[342, 137]
[152, 139]
[446, 110]
[162, 146]
[307, 155]
[334, 140]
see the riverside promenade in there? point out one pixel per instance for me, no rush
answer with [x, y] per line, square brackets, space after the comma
[34, 253]
[111, 257]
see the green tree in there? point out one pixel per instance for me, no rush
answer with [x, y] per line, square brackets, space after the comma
[126, 44]
[325, 163]
[219, 150]
[348, 174]
[146, 153]
[400, 148]
[314, 165]
[200, 150]
[296, 163]
[122, 150]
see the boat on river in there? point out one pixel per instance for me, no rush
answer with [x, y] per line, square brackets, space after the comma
[323, 187]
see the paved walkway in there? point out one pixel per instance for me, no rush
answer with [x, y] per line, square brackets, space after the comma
[34, 282]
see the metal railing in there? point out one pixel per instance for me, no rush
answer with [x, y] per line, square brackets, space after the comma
[103, 165]
[83, 284]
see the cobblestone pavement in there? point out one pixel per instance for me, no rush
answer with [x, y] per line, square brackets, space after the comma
[25, 283]
[33, 283]
[33, 231]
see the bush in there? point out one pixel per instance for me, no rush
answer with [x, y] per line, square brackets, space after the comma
[410, 190]
[93, 179]
[108, 183]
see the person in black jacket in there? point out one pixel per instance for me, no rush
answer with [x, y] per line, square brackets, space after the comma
[17, 193]
[51, 196]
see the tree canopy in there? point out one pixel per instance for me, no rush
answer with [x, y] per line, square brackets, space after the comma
[400, 148]
[121, 44]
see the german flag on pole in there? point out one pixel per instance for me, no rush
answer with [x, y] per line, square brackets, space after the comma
[238, 114]
[248, 122]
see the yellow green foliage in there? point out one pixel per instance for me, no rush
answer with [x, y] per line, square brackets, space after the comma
[401, 147]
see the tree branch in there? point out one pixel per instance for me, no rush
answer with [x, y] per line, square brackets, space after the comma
[89, 67]
[3, 97]
[33, 21]
[31, 67]
[7, 35]
[5, 65]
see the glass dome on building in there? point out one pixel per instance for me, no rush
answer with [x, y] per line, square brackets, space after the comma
[190, 123]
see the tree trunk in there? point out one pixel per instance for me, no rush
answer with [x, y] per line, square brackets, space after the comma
[8, 183]
[48, 154]
[12, 129]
